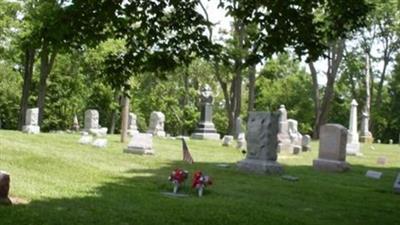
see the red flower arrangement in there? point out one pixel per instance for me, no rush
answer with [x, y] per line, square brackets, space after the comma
[200, 181]
[177, 177]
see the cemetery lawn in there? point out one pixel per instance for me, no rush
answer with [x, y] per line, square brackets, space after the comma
[63, 182]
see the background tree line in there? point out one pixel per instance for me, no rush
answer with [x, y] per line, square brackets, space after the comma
[100, 56]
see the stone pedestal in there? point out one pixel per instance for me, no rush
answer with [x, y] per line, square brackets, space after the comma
[4, 188]
[205, 128]
[262, 143]
[31, 121]
[332, 149]
[140, 144]
[365, 134]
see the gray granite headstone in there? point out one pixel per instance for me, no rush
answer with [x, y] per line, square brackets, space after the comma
[206, 128]
[31, 121]
[284, 144]
[305, 143]
[262, 143]
[91, 119]
[332, 149]
[373, 174]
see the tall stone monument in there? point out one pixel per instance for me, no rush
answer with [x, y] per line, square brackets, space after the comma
[283, 135]
[156, 126]
[353, 144]
[238, 127]
[365, 134]
[205, 128]
[75, 125]
[132, 127]
[262, 143]
[31, 121]
[332, 149]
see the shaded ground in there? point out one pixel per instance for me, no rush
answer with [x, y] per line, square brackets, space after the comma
[67, 183]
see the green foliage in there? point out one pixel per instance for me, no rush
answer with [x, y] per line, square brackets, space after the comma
[293, 89]
[10, 85]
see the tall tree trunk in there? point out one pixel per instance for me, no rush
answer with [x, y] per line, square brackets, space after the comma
[367, 85]
[378, 100]
[316, 97]
[185, 99]
[124, 118]
[114, 114]
[335, 57]
[29, 60]
[46, 64]
[252, 86]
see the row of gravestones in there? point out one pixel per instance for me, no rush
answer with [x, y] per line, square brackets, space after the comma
[263, 144]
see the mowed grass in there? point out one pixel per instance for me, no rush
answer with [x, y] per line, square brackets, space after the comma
[68, 183]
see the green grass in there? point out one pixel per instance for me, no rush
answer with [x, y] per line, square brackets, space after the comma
[67, 183]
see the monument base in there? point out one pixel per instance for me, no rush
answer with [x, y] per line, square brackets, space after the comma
[31, 129]
[367, 139]
[353, 149]
[207, 136]
[330, 165]
[139, 151]
[260, 166]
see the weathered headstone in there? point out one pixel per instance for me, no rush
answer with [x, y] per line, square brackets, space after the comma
[156, 126]
[305, 143]
[390, 141]
[75, 125]
[262, 143]
[378, 141]
[283, 135]
[365, 134]
[140, 144]
[332, 149]
[373, 174]
[396, 185]
[4, 188]
[85, 138]
[227, 140]
[241, 141]
[100, 142]
[31, 121]
[382, 160]
[91, 119]
[353, 144]
[132, 127]
[206, 128]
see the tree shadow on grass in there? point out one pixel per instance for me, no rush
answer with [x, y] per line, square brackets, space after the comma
[236, 197]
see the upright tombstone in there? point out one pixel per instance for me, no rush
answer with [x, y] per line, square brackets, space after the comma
[365, 134]
[262, 143]
[396, 185]
[75, 125]
[305, 143]
[332, 149]
[205, 128]
[132, 127]
[241, 141]
[156, 126]
[227, 140]
[31, 121]
[4, 188]
[283, 135]
[353, 144]
[91, 119]
[140, 144]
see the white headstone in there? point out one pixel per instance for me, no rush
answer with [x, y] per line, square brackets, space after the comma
[156, 126]
[373, 174]
[85, 139]
[132, 127]
[353, 144]
[227, 140]
[140, 144]
[241, 141]
[100, 143]
[31, 121]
